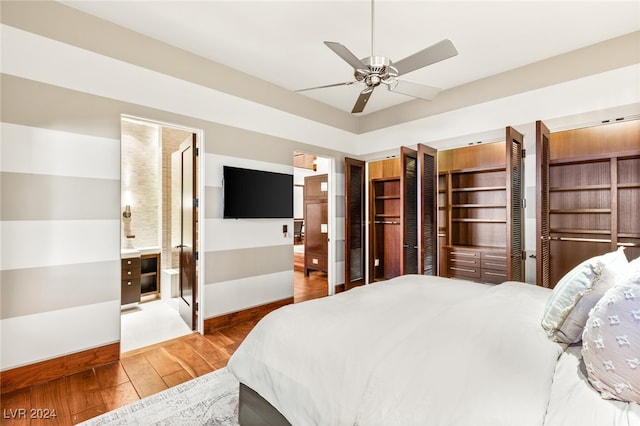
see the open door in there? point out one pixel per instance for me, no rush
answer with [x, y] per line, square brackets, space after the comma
[543, 243]
[428, 226]
[188, 239]
[409, 214]
[354, 232]
[515, 243]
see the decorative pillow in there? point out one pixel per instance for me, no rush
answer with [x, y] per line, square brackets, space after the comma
[576, 293]
[611, 340]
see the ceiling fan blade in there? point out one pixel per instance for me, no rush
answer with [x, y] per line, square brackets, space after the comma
[432, 54]
[417, 90]
[346, 55]
[327, 85]
[362, 100]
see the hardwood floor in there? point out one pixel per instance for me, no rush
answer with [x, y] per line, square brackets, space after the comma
[138, 373]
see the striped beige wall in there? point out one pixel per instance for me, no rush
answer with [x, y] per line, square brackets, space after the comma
[60, 181]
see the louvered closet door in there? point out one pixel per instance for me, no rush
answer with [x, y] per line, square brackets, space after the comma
[354, 223]
[409, 215]
[428, 228]
[543, 243]
[515, 168]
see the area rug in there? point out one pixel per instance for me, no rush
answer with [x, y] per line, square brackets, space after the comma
[211, 399]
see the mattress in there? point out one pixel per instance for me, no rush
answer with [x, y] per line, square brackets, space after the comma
[411, 350]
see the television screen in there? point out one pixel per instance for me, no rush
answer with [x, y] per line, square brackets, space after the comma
[257, 194]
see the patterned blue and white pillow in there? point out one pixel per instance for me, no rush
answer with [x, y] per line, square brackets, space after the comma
[611, 340]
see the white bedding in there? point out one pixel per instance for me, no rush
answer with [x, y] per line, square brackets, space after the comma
[574, 402]
[412, 350]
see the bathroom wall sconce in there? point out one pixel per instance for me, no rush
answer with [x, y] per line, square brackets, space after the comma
[126, 219]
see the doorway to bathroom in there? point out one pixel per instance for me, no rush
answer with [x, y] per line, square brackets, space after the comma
[311, 226]
[159, 240]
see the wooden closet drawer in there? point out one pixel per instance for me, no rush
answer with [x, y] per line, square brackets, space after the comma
[493, 276]
[460, 271]
[495, 260]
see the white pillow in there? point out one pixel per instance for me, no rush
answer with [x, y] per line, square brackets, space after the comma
[611, 340]
[577, 292]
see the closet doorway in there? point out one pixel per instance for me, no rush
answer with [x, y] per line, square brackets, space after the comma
[312, 224]
[159, 193]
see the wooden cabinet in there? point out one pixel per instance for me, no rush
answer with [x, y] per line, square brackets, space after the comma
[130, 280]
[588, 196]
[316, 223]
[480, 211]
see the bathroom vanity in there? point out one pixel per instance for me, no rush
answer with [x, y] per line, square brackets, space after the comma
[140, 274]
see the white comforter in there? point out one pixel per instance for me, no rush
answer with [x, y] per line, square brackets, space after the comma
[413, 350]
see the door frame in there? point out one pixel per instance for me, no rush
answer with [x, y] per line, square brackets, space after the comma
[200, 243]
[331, 214]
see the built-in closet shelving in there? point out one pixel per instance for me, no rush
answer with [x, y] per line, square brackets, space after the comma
[590, 199]
[479, 212]
[387, 232]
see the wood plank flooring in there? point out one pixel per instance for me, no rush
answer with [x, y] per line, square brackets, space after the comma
[137, 374]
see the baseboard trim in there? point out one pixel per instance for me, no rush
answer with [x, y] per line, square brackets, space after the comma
[57, 368]
[235, 318]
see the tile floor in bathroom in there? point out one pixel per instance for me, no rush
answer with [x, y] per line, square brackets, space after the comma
[151, 322]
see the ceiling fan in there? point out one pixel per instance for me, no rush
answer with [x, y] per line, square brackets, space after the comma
[375, 70]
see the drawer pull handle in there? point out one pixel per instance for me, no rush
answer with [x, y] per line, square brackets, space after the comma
[462, 253]
[128, 262]
[128, 282]
[472, 262]
[463, 269]
[128, 272]
[314, 261]
[495, 274]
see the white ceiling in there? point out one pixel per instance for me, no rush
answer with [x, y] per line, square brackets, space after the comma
[282, 41]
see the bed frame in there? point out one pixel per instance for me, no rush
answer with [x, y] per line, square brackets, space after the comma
[254, 410]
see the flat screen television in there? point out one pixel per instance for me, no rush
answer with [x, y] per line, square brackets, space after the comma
[257, 194]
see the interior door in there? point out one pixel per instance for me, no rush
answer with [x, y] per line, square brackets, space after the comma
[515, 235]
[188, 239]
[428, 217]
[543, 243]
[354, 271]
[409, 213]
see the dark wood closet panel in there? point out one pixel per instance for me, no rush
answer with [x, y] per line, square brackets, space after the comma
[428, 201]
[480, 211]
[316, 222]
[409, 216]
[593, 195]
[354, 273]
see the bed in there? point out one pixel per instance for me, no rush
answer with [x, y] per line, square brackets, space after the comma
[417, 350]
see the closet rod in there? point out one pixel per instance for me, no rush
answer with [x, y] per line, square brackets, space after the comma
[593, 240]
[386, 222]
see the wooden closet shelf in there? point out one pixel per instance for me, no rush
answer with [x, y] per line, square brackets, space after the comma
[628, 235]
[479, 188]
[580, 231]
[629, 185]
[469, 220]
[573, 211]
[388, 197]
[478, 206]
[580, 188]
